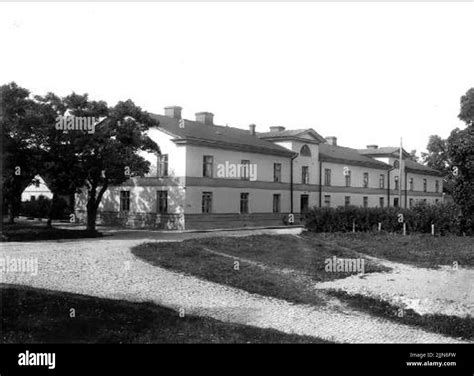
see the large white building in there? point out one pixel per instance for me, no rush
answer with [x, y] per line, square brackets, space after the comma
[211, 176]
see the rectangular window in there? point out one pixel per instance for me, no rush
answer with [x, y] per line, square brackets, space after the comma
[424, 185]
[124, 200]
[348, 178]
[276, 203]
[410, 202]
[327, 201]
[366, 179]
[395, 202]
[162, 168]
[277, 172]
[207, 202]
[396, 183]
[410, 183]
[305, 175]
[327, 176]
[207, 166]
[245, 169]
[32, 198]
[347, 200]
[381, 202]
[365, 201]
[244, 203]
[382, 181]
[437, 186]
[162, 201]
[436, 201]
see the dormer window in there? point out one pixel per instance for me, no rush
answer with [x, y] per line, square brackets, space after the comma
[305, 152]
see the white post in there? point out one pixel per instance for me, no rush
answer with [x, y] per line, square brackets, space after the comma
[404, 228]
[432, 229]
[353, 227]
[380, 226]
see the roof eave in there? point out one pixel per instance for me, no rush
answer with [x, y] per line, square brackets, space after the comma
[233, 146]
[351, 162]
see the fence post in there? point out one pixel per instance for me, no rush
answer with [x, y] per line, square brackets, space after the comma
[404, 228]
[432, 229]
[380, 226]
[353, 227]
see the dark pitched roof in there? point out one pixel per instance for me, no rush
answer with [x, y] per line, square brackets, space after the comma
[417, 167]
[385, 150]
[410, 165]
[217, 136]
[338, 154]
[292, 134]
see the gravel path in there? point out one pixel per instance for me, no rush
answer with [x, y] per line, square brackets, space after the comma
[445, 291]
[106, 268]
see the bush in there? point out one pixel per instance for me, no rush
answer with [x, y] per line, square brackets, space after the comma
[445, 217]
[40, 208]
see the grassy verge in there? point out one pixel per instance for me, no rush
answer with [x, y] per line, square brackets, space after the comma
[184, 257]
[275, 252]
[38, 316]
[448, 325]
[306, 255]
[417, 249]
[24, 231]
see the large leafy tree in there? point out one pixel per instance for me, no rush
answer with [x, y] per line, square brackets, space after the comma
[460, 152]
[467, 108]
[73, 161]
[437, 155]
[60, 168]
[107, 157]
[20, 160]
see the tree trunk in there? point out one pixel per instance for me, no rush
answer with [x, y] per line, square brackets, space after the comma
[91, 218]
[14, 207]
[11, 214]
[93, 205]
[51, 210]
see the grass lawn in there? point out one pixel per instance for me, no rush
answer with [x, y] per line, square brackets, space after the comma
[421, 250]
[39, 316]
[305, 255]
[449, 325]
[281, 251]
[32, 231]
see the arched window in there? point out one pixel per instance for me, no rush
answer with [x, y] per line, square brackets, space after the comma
[396, 164]
[305, 152]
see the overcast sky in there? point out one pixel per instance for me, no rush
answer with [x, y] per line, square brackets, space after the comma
[368, 73]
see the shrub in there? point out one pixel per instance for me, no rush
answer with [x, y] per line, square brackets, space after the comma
[40, 208]
[445, 217]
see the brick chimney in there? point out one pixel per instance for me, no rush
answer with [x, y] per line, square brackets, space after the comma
[252, 129]
[277, 129]
[173, 112]
[331, 140]
[372, 147]
[205, 118]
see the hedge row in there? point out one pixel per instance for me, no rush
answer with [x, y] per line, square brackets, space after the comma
[40, 208]
[445, 217]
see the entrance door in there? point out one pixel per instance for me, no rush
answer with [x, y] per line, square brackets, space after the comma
[304, 204]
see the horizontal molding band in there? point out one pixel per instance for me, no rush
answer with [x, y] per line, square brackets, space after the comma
[235, 183]
[203, 182]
